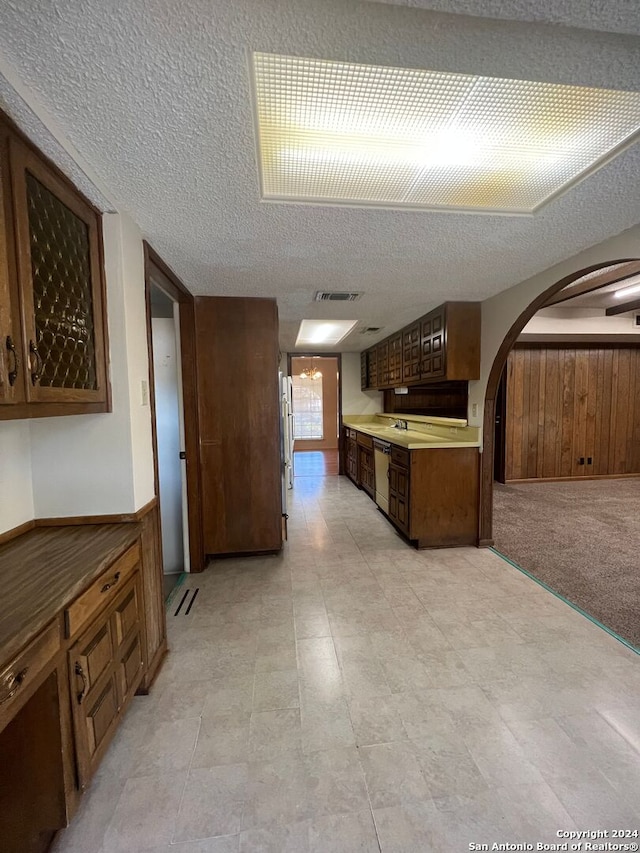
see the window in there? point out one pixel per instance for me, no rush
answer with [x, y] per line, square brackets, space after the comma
[307, 408]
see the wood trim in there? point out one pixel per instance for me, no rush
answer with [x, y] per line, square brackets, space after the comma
[485, 527]
[567, 343]
[573, 479]
[611, 277]
[175, 289]
[623, 307]
[8, 535]
[117, 518]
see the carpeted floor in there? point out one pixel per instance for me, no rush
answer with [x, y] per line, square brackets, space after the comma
[582, 539]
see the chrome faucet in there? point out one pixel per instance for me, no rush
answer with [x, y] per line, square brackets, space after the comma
[400, 424]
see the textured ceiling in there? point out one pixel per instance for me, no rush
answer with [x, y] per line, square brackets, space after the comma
[615, 16]
[155, 97]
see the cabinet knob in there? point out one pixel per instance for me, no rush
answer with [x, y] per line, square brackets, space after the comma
[80, 672]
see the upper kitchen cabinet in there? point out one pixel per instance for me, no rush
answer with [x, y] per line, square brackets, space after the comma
[450, 342]
[52, 303]
[442, 346]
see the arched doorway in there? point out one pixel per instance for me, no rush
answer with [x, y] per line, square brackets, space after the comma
[485, 527]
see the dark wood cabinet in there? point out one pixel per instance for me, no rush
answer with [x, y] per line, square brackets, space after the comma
[366, 467]
[52, 291]
[411, 354]
[442, 346]
[395, 360]
[239, 424]
[382, 373]
[372, 367]
[364, 372]
[351, 455]
[399, 496]
[432, 345]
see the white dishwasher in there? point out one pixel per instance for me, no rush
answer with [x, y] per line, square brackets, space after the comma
[381, 451]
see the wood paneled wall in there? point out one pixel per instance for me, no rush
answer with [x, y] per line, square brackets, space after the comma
[444, 399]
[565, 404]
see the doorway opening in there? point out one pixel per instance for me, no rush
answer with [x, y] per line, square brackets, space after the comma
[316, 408]
[564, 401]
[169, 424]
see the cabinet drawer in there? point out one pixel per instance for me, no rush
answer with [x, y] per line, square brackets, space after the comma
[365, 440]
[101, 592]
[24, 669]
[399, 456]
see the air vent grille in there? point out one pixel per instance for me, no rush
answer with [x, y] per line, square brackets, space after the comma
[336, 296]
[370, 330]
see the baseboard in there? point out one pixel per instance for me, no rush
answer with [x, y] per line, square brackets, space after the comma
[8, 535]
[572, 479]
[116, 518]
[485, 543]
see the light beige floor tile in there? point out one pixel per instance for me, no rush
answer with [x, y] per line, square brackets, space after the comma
[222, 844]
[393, 774]
[274, 732]
[347, 833]
[222, 740]
[167, 748]
[376, 720]
[145, 814]
[448, 766]
[213, 802]
[411, 827]
[275, 690]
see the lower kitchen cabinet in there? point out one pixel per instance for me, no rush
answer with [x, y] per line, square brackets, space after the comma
[105, 669]
[433, 492]
[74, 649]
[351, 455]
[433, 495]
[366, 468]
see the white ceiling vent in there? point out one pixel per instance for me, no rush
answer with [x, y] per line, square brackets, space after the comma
[336, 296]
[370, 330]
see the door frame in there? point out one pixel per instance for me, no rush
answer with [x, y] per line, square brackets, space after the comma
[485, 521]
[338, 356]
[168, 281]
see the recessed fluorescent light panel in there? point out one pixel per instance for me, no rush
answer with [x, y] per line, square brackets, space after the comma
[627, 291]
[323, 332]
[341, 133]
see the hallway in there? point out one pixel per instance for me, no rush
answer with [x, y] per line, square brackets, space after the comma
[354, 694]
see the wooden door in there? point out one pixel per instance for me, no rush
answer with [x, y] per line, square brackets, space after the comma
[383, 364]
[399, 496]
[395, 360]
[432, 345]
[411, 354]
[239, 420]
[372, 357]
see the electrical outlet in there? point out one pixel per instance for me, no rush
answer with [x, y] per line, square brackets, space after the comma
[474, 410]
[144, 392]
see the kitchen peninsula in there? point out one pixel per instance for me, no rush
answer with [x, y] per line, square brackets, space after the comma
[422, 471]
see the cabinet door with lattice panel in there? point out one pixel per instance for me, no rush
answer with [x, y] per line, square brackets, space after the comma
[11, 367]
[61, 281]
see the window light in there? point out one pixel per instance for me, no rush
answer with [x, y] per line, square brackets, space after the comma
[342, 133]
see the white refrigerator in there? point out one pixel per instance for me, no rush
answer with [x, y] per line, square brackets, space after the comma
[286, 418]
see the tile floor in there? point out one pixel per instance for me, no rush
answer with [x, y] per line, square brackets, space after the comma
[354, 694]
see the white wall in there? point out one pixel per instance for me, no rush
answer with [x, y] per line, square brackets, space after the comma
[16, 491]
[500, 312]
[354, 400]
[165, 367]
[103, 464]
[579, 321]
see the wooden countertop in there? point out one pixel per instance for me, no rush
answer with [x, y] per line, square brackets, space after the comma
[43, 570]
